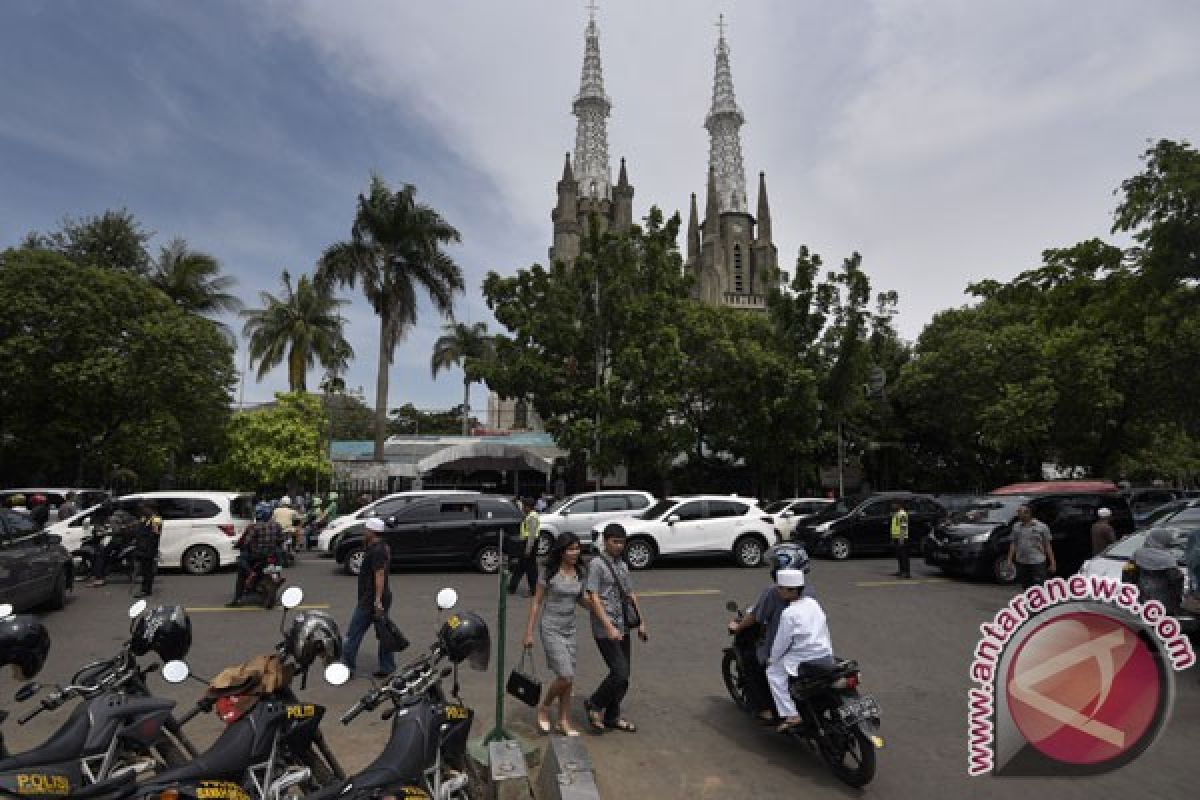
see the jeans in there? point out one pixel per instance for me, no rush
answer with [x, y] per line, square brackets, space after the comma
[361, 621]
[611, 691]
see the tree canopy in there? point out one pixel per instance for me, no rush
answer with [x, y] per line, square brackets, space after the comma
[280, 444]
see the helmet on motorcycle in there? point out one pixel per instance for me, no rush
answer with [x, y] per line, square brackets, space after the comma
[285, 501]
[464, 636]
[37, 500]
[166, 630]
[788, 555]
[24, 643]
[312, 634]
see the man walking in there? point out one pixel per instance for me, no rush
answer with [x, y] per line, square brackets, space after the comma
[531, 525]
[900, 538]
[1102, 531]
[608, 588]
[374, 598]
[1031, 550]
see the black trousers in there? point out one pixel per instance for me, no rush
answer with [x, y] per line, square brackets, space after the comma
[757, 690]
[1030, 574]
[526, 567]
[611, 691]
[902, 557]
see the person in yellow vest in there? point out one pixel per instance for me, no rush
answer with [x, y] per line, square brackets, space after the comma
[149, 532]
[527, 561]
[900, 538]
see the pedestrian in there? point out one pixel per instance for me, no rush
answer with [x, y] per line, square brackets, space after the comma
[527, 559]
[1102, 531]
[1031, 550]
[69, 507]
[610, 597]
[900, 538]
[374, 598]
[1157, 568]
[559, 590]
[39, 511]
[149, 533]
[801, 641]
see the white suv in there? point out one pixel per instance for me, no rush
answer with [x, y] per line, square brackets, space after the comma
[199, 528]
[385, 507]
[696, 525]
[579, 513]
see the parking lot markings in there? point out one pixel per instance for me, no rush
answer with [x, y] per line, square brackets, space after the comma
[910, 582]
[680, 593]
[219, 609]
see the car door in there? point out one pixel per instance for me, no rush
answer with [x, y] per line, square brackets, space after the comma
[687, 533]
[871, 528]
[407, 532]
[579, 516]
[726, 519]
[177, 523]
[12, 572]
[608, 507]
[451, 534]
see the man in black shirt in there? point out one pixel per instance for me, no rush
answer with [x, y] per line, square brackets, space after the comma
[374, 597]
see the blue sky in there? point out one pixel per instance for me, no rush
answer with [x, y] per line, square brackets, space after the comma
[946, 141]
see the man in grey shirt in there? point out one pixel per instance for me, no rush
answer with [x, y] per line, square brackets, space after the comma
[607, 580]
[1031, 550]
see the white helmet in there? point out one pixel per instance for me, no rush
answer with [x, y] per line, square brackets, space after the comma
[285, 501]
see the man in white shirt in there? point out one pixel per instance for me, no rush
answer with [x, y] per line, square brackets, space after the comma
[802, 638]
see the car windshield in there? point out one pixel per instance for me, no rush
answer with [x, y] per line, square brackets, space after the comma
[995, 510]
[658, 509]
[778, 507]
[1164, 512]
[558, 504]
[242, 506]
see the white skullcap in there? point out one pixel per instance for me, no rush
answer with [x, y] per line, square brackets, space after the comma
[790, 578]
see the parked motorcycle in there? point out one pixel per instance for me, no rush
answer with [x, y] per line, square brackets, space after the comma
[842, 724]
[425, 755]
[119, 730]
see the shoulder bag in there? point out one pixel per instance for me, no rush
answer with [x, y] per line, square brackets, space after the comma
[629, 609]
[523, 682]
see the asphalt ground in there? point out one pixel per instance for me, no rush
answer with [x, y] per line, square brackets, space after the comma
[913, 640]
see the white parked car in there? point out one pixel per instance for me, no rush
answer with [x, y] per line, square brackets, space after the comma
[199, 528]
[580, 513]
[791, 512]
[327, 540]
[1111, 564]
[697, 525]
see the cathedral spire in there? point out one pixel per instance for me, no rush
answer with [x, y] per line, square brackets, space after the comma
[764, 210]
[724, 122]
[693, 233]
[591, 108]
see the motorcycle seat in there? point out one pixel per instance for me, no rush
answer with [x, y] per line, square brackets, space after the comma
[65, 744]
[227, 758]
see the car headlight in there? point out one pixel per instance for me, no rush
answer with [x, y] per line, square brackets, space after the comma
[823, 527]
[978, 538]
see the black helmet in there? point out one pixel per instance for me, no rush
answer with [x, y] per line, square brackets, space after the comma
[24, 643]
[465, 636]
[312, 634]
[788, 555]
[166, 630]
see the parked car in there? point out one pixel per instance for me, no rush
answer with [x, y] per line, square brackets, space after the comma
[579, 513]
[696, 525]
[35, 569]
[1164, 512]
[865, 527]
[1111, 564]
[199, 528]
[794, 511]
[462, 528]
[975, 542]
[330, 535]
[55, 497]
[1144, 501]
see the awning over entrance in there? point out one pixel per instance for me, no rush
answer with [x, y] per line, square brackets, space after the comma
[476, 456]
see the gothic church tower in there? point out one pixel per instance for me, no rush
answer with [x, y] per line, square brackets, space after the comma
[730, 254]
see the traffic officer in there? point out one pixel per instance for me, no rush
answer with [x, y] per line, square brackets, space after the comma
[900, 538]
[527, 560]
[149, 532]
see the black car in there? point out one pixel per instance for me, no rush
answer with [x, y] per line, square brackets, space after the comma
[850, 528]
[975, 541]
[1145, 500]
[445, 529]
[35, 569]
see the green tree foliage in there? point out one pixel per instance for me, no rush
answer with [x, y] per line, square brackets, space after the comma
[395, 252]
[279, 444]
[350, 419]
[101, 369]
[113, 240]
[193, 280]
[304, 326]
[411, 420]
[466, 346]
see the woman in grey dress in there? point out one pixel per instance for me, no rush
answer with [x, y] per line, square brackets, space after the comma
[559, 590]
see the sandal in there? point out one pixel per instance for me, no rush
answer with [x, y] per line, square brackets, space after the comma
[623, 725]
[788, 724]
[543, 721]
[565, 729]
[595, 718]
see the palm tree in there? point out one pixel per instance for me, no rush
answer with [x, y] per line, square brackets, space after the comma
[303, 326]
[192, 280]
[394, 250]
[459, 345]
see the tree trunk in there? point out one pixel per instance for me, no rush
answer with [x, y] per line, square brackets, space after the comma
[296, 370]
[381, 387]
[466, 407]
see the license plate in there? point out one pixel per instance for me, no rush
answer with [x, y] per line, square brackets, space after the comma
[858, 709]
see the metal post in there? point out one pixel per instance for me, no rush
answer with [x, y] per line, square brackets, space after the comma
[498, 733]
[841, 478]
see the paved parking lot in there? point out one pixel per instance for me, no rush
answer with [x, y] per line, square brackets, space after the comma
[913, 640]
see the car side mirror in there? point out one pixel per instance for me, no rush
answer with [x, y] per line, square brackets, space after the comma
[671, 520]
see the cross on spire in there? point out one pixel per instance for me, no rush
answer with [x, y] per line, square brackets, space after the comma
[721, 24]
[592, 9]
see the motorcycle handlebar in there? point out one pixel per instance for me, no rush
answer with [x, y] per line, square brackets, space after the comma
[354, 711]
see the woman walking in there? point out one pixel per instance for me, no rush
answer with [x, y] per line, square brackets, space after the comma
[559, 589]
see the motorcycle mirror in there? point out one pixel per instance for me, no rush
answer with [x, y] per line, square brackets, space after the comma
[731, 606]
[292, 597]
[337, 674]
[137, 608]
[175, 671]
[27, 691]
[447, 599]
[5, 611]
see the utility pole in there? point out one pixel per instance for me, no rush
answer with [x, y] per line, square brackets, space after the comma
[599, 381]
[841, 459]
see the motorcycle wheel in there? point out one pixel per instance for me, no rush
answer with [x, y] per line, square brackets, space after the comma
[735, 681]
[849, 754]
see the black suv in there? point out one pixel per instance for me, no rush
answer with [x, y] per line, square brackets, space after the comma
[852, 528]
[35, 570]
[455, 529]
[975, 541]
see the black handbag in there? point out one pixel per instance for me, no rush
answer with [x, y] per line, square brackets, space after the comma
[391, 638]
[525, 686]
[629, 609]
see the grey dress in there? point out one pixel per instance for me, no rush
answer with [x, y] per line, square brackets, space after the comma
[558, 622]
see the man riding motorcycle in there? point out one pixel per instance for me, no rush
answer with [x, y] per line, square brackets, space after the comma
[262, 541]
[122, 528]
[802, 644]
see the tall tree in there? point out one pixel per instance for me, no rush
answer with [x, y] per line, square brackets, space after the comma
[303, 326]
[395, 253]
[462, 345]
[193, 280]
[112, 240]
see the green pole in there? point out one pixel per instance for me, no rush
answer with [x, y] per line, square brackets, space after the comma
[498, 733]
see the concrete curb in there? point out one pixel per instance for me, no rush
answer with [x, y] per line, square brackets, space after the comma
[567, 772]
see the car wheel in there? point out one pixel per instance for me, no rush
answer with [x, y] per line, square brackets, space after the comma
[639, 552]
[200, 559]
[748, 551]
[354, 561]
[487, 559]
[545, 542]
[58, 595]
[839, 548]
[1002, 571]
